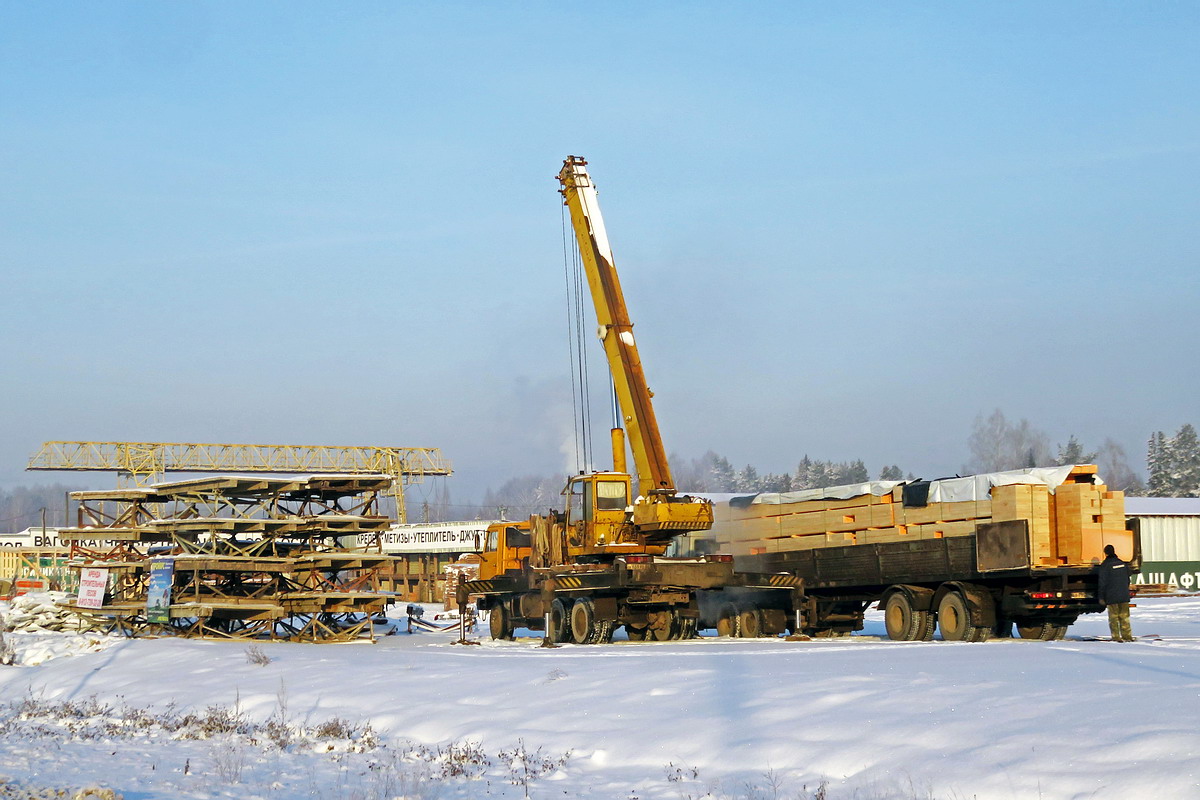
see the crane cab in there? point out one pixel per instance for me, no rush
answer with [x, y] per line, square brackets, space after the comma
[597, 509]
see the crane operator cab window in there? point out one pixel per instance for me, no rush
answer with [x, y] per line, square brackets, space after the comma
[586, 496]
[611, 496]
[575, 493]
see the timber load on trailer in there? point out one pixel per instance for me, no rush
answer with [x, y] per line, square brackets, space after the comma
[600, 564]
[972, 556]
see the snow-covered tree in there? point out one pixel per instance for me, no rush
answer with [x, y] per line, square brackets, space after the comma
[891, 473]
[1185, 452]
[747, 480]
[804, 477]
[856, 472]
[1158, 465]
[1073, 453]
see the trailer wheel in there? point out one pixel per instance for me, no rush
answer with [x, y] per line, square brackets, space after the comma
[903, 622]
[954, 620]
[560, 618]
[727, 622]
[1046, 632]
[500, 621]
[687, 628]
[635, 633]
[749, 623]
[583, 621]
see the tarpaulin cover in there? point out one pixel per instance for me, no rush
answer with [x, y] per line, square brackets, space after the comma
[944, 490]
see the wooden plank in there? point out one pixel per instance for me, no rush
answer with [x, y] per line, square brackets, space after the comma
[920, 515]
[898, 533]
[860, 518]
[1041, 533]
[943, 530]
[803, 524]
[788, 543]
[1078, 520]
[750, 530]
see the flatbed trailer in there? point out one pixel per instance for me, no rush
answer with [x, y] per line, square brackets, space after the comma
[1019, 552]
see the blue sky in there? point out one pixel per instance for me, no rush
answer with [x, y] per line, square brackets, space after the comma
[843, 230]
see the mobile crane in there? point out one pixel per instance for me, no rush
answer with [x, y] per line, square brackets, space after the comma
[601, 564]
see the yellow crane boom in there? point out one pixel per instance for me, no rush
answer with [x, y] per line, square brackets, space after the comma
[616, 330]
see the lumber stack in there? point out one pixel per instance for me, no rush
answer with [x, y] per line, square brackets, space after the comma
[1068, 524]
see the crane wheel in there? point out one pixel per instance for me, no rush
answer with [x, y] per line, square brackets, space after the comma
[687, 628]
[635, 633]
[583, 621]
[664, 625]
[500, 622]
[560, 618]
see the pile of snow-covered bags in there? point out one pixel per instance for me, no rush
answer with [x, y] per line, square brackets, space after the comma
[35, 629]
[38, 612]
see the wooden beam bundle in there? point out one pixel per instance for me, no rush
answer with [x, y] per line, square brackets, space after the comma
[1069, 526]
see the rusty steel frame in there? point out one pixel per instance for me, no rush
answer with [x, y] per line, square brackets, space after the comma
[293, 583]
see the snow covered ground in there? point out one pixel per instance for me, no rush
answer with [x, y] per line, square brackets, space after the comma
[418, 717]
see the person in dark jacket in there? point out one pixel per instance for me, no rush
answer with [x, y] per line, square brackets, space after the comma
[1114, 593]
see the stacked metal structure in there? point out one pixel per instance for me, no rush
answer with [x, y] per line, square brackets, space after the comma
[250, 557]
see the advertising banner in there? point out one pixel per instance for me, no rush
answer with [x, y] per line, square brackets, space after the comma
[92, 583]
[430, 537]
[158, 596]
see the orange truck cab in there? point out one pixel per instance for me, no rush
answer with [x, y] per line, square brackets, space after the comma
[506, 549]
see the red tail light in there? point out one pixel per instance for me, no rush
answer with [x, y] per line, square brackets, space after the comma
[639, 559]
[1041, 595]
[723, 558]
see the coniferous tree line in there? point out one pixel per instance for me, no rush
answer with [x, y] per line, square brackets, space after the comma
[1173, 464]
[995, 444]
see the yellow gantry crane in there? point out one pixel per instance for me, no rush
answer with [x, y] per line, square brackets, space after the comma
[144, 462]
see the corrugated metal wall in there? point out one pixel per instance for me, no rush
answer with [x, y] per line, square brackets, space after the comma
[1174, 538]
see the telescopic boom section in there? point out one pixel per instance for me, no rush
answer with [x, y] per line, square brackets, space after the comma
[616, 331]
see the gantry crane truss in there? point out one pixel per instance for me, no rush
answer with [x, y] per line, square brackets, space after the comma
[142, 463]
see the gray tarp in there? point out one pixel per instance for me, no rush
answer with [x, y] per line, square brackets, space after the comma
[945, 490]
